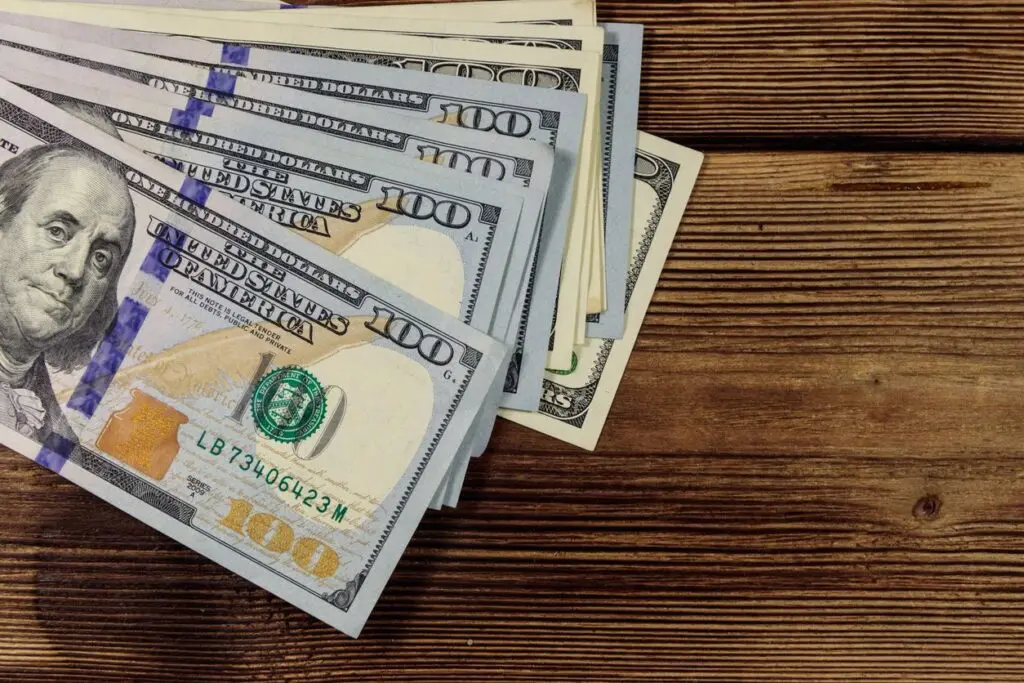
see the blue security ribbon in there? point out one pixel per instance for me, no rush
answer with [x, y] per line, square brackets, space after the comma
[189, 116]
[131, 315]
[221, 82]
[234, 54]
[216, 81]
[153, 265]
[55, 452]
[195, 190]
[109, 355]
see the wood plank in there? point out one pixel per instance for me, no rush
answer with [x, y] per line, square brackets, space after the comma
[812, 473]
[843, 73]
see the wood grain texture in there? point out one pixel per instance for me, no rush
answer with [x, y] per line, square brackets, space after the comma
[812, 472]
[813, 468]
[836, 73]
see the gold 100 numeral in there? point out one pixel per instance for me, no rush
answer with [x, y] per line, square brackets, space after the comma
[274, 535]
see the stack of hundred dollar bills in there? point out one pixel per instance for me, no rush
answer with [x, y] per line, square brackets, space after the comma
[269, 274]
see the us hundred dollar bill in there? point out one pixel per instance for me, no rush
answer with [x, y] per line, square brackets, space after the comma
[267, 404]
[542, 69]
[574, 38]
[454, 257]
[564, 12]
[227, 5]
[469, 269]
[575, 404]
[620, 46]
[523, 164]
[619, 108]
[560, 37]
[508, 114]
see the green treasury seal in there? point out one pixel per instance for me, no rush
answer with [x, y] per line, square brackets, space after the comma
[289, 404]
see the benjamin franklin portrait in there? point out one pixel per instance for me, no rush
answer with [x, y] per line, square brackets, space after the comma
[66, 226]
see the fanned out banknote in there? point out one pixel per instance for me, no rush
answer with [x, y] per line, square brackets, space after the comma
[272, 275]
[322, 190]
[565, 12]
[355, 130]
[575, 404]
[573, 38]
[533, 67]
[233, 5]
[550, 117]
[216, 377]
[620, 97]
[621, 47]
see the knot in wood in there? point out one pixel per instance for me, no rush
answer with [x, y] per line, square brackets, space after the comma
[927, 507]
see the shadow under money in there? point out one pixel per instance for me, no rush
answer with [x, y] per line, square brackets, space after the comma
[120, 598]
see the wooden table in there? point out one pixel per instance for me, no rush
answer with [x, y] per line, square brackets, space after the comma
[812, 471]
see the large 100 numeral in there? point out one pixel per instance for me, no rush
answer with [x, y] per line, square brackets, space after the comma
[423, 207]
[511, 123]
[274, 535]
[409, 335]
[486, 167]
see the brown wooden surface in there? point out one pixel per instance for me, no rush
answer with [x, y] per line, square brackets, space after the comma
[813, 470]
[825, 73]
